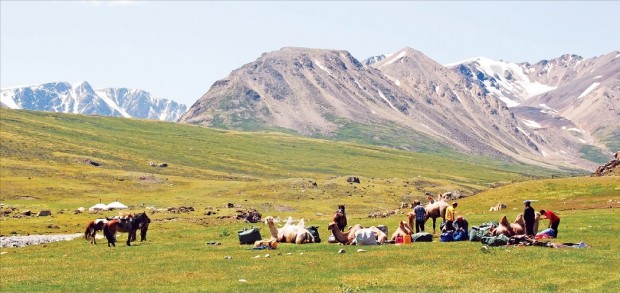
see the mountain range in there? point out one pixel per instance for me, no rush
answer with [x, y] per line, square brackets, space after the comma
[80, 98]
[557, 113]
[560, 113]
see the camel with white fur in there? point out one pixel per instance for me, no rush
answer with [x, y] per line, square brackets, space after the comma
[290, 233]
[402, 230]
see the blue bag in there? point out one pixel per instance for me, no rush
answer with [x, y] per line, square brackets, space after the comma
[446, 236]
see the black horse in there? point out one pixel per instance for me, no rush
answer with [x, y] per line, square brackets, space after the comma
[128, 225]
[144, 227]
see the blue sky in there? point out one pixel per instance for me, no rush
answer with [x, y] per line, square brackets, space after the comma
[178, 49]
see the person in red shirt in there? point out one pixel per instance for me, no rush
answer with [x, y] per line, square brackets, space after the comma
[554, 220]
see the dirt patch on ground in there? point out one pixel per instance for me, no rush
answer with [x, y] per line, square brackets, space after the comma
[26, 197]
[151, 179]
[23, 241]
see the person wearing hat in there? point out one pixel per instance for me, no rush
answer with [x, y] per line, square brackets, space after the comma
[529, 217]
[461, 224]
[420, 216]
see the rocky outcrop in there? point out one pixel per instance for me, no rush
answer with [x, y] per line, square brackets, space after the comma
[611, 168]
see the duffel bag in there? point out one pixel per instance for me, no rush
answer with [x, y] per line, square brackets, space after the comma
[459, 235]
[473, 234]
[314, 230]
[249, 236]
[498, 240]
[422, 237]
[446, 236]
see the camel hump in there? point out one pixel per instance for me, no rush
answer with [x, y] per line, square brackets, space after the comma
[504, 221]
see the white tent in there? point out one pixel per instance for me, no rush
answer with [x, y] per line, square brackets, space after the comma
[98, 206]
[116, 206]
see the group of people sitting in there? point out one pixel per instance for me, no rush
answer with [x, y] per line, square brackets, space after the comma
[457, 225]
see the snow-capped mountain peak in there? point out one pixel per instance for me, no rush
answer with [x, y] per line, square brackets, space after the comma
[80, 98]
[509, 82]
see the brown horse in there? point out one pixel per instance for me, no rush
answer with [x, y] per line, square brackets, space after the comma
[126, 225]
[91, 229]
[340, 218]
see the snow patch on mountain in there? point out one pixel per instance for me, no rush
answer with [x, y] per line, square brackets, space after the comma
[523, 131]
[106, 98]
[322, 67]
[6, 99]
[385, 99]
[547, 110]
[392, 59]
[588, 90]
[531, 124]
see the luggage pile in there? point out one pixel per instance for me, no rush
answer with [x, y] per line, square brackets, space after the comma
[484, 230]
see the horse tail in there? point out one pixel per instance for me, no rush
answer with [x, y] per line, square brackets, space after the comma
[87, 232]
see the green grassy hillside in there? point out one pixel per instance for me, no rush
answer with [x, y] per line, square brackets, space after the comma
[43, 166]
[44, 155]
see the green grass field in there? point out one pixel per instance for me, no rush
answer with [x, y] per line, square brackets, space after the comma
[42, 167]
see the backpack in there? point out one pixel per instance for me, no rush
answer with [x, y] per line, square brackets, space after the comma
[314, 230]
[446, 236]
[422, 237]
[498, 240]
[459, 235]
[383, 229]
[249, 236]
[473, 234]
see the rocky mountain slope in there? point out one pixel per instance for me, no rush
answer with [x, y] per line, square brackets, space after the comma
[82, 99]
[323, 92]
[570, 97]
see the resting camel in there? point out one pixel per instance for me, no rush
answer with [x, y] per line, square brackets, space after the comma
[345, 237]
[348, 237]
[403, 229]
[290, 233]
[518, 226]
[510, 229]
[503, 228]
